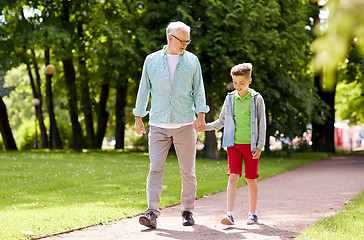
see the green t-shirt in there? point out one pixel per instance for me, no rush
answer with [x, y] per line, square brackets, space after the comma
[242, 118]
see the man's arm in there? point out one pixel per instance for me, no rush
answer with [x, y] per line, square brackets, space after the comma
[143, 93]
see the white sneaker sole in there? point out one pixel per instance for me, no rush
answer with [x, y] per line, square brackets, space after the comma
[226, 221]
[251, 223]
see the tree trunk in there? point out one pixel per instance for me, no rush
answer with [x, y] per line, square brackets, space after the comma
[103, 115]
[120, 117]
[38, 109]
[54, 137]
[70, 79]
[323, 134]
[211, 150]
[86, 105]
[5, 129]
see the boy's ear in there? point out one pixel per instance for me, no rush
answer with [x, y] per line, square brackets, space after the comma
[250, 80]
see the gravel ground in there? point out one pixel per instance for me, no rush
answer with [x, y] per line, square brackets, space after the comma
[287, 205]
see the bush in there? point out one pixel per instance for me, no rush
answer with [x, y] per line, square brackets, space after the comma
[65, 132]
[2, 147]
[25, 135]
[304, 147]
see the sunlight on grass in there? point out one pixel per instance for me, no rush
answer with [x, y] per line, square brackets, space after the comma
[48, 192]
[347, 224]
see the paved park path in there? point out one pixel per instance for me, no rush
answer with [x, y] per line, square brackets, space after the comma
[287, 205]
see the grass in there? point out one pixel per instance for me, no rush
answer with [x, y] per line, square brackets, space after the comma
[347, 224]
[48, 192]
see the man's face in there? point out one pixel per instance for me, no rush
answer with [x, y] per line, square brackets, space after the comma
[178, 42]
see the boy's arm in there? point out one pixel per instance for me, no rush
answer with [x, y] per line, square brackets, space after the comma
[218, 123]
[261, 123]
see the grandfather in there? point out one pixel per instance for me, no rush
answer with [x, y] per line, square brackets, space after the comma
[173, 78]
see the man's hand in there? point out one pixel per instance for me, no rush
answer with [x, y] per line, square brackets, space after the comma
[139, 126]
[256, 153]
[199, 124]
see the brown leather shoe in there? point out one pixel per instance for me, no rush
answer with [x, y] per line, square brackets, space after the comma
[149, 220]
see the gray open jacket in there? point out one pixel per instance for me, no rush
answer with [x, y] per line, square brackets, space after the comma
[257, 121]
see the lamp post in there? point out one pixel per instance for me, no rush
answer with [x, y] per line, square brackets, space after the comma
[54, 140]
[36, 103]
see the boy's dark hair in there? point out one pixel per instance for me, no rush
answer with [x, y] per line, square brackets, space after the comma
[244, 69]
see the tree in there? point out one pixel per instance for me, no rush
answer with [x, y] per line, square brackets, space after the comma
[273, 36]
[349, 91]
[99, 47]
[343, 27]
[19, 42]
[5, 129]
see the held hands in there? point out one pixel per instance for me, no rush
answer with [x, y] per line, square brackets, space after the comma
[139, 126]
[199, 124]
[256, 153]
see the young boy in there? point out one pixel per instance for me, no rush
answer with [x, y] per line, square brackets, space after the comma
[243, 119]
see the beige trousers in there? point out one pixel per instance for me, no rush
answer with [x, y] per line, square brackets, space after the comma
[160, 141]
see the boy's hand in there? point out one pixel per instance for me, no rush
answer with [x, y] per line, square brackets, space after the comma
[202, 128]
[256, 153]
[139, 126]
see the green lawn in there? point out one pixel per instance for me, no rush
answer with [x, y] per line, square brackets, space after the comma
[347, 224]
[47, 192]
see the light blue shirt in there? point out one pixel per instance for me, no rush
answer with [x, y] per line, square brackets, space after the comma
[176, 104]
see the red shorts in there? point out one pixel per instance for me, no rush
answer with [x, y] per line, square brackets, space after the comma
[236, 154]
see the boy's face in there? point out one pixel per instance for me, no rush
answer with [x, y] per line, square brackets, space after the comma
[241, 84]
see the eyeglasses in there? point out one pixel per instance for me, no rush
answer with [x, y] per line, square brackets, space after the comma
[182, 42]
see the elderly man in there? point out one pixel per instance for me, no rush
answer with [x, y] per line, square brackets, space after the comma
[173, 78]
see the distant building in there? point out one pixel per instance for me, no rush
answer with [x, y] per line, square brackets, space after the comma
[348, 138]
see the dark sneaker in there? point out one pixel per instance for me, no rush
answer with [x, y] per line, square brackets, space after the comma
[227, 220]
[187, 219]
[149, 220]
[252, 219]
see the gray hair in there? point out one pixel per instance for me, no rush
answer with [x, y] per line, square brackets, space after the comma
[174, 27]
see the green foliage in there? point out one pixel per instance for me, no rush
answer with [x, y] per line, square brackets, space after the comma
[347, 224]
[349, 102]
[350, 89]
[47, 192]
[65, 130]
[274, 37]
[135, 140]
[19, 100]
[25, 135]
[113, 37]
[2, 146]
[345, 25]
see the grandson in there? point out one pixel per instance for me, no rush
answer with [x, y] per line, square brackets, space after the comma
[243, 119]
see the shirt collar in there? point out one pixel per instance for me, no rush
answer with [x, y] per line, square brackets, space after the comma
[248, 96]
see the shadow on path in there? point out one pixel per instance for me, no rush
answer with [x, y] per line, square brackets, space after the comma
[204, 232]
